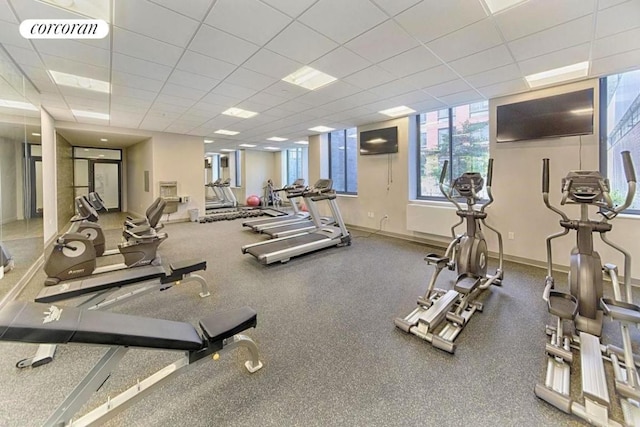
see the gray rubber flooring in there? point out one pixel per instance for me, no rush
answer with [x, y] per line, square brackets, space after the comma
[331, 353]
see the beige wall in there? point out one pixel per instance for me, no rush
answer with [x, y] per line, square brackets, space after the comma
[259, 166]
[139, 159]
[64, 166]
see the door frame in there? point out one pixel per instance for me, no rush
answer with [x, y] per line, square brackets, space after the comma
[92, 187]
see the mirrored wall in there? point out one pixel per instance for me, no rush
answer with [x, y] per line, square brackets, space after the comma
[21, 206]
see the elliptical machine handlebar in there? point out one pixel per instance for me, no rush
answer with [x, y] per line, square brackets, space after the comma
[545, 190]
[630, 174]
[488, 186]
[448, 194]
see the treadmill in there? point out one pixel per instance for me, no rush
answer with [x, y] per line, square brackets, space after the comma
[293, 191]
[284, 248]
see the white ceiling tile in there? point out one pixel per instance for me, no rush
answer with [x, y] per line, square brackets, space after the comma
[340, 62]
[175, 100]
[24, 56]
[617, 43]
[222, 101]
[285, 90]
[165, 109]
[428, 105]
[253, 106]
[292, 106]
[183, 91]
[408, 99]
[64, 65]
[616, 63]
[130, 105]
[396, 87]
[382, 42]
[6, 14]
[10, 35]
[179, 128]
[370, 77]
[352, 101]
[145, 48]
[561, 58]
[504, 88]
[300, 43]
[461, 98]
[495, 75]
[139, 67]
[559, 37]
[72, 92]
[619, 18]
[205, 66]
[333, 91]
[355, 17]
[292, 8]
[70, 49]
[266, 99]
[447, 88]
[605, 4]
[63, 114]
[482, 61]
[250, 79]
[233, 91]
[193, 81]
[534, 16]
[248, 19]
[410, 62]
[447, 17]
[431, 77]
[271, 64]
[35, 9]
[193, 8]
[123, 79]
[217, 44]
[393, 7]
[157, 124]
[474, 38]
[153, 21]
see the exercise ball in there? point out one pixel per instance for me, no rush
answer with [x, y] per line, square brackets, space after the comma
[303, 207]
[253, 201]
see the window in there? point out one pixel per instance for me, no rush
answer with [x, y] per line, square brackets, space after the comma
[620, 131]
[460, 135]
[238, 170]
[294, 165]
[343, 160]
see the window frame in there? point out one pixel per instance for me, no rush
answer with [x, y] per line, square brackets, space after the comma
[298, 163]
[346, 162]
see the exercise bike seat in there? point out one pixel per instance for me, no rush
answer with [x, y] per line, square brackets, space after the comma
[466, 283]
[563, 305]
[439, 261]
[621, 311]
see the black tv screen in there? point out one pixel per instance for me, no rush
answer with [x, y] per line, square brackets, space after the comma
[379, 141]
[554, 116]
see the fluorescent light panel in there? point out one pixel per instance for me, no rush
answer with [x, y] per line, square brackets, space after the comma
[35, 134]
[496, 6]
[570, 72]
[208, 141]
[402, 110]
[248, 145]
[8, 103]
[90, 114]
[79, 82]
[239, 112]
[321, 129]
[104, 139]
[301, 142]
[276, 139]
[227, 150]
[226, 132]
[271, 148]
[309, 78]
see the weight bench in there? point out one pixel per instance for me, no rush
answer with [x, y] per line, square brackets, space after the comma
[29, 322]
[98, 288]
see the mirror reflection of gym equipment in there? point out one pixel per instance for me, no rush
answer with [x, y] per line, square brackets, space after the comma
[98, 170]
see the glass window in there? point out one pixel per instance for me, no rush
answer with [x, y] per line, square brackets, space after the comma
[343, 160]
[294, 165]
[238, 165]
[463, 140]
[620, 129]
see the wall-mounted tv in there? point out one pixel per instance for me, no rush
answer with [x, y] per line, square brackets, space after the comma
[551, 117]
[379, 141]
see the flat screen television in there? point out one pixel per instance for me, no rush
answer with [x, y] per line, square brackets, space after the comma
[379, 141]
[551, 117]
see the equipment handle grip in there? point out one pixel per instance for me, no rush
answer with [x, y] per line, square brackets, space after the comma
[629, 171]
[489, 172]
[443, 174]
[545, 175]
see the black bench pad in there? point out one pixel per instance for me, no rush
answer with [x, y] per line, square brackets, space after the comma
[48, 324]
[218, 327]
[100, 282]
[177, 270]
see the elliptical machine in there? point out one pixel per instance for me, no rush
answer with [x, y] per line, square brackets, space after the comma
[582, 304]
[442, 314]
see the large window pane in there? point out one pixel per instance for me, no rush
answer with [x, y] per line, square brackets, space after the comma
[621, 95]
[434, 150]
[337, 156]
[352, 160]
[294, 164]
[470, 142]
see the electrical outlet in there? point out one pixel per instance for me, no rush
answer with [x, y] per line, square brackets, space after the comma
[512, 235]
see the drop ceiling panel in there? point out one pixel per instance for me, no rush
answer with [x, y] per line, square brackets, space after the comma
[622, 17]
[559, 37]
[248, 19]
[300, 43]
[70, 49]
[250, 79]
[183, 91]
[6, 14]
[151, 20]
[445, 17]
[335, 90]
[35, 9]
[410, 62]
[175, 100]
[271, 64]
[533, 16]
[616, 63]
[146, 48]
[223, 46]
[340, 63]
[10, 35]
[396, 87]
[64, 65]
[130, 105]
[382, 42]
[70, 92]
[292, 8]
[558, 59]
[193, 8]
[496, 75]
[253, 106]
[200, 64]
[191, 80]
[62, 114]
[285, 90]
[24, 56]
[430, 104]
[222, 101]
[355, 17]
[460, 98]
[393, 7]
[139, 67]
[605, 4]
[617, 43]
[474, 38]
[504, 88]
[120, 78]
[431, 77]
[370, 77]
[482, 61]
[233, 91]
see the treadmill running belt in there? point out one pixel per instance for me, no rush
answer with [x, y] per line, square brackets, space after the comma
[278, 245]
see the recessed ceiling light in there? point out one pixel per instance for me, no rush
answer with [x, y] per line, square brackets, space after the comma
[208, 141]
[496, 6]
[239, 112]
[570, 72]
[7, 103]
[276, 139]
[248, 145]
[103, 139]
[80, 82]
[35, 134]
[271, 148]
[226, 132]
[301, 142]
[398, 111]
[309, 78]
[321, 129]
[227, 150]
[90, 114]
